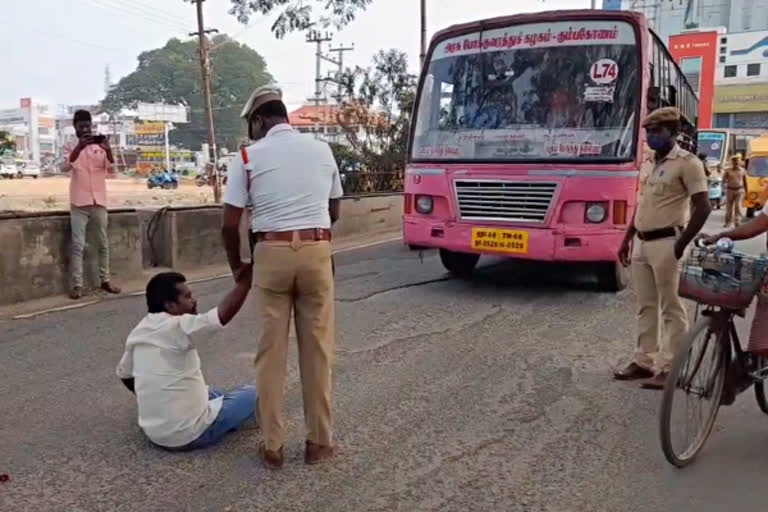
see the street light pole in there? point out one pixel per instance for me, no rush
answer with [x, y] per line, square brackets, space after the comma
[594, 4]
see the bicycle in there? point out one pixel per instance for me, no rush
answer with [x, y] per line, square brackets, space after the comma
[712, 365]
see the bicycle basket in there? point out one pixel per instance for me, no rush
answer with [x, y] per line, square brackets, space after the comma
[726, 280]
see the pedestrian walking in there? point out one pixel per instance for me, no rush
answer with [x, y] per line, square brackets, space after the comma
[292, 185]
[89, 162]
[736, 187]
[657, 237]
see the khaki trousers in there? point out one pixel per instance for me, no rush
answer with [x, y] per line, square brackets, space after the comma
[733, 200]
[661, 318]
[295, 276]
[79, 218]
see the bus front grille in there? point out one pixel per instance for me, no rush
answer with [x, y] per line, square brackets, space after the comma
[505, 201]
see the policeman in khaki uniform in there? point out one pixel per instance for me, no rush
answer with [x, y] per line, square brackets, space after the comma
[292, 185]
[658, 236]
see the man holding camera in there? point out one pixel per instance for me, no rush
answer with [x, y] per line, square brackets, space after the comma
[89, 162]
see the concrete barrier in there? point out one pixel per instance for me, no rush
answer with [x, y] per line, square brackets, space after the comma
[34, 254]
[369, 214]
[34, 248]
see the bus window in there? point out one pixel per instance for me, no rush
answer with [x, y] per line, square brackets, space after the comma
[501, 101]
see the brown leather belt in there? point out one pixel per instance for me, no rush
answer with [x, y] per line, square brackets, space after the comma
[307, 235]
[657, 234]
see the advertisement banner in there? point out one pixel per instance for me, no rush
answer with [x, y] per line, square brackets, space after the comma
[147, 128]
[741, 98]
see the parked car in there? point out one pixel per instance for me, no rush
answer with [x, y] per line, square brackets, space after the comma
[8, 168]
[28, 170]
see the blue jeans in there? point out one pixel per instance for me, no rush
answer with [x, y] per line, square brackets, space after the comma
[237, 407]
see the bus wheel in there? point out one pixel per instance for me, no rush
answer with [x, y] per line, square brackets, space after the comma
[460, 264]
[612, 277]
[750, 213]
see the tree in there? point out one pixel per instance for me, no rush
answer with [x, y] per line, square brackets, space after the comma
[171, 74]
[7, 143]
[376, 116]
[297, 14]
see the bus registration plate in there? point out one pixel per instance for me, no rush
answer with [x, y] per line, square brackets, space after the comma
[500, 240]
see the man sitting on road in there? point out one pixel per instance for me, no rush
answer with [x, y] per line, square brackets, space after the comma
[176, 409]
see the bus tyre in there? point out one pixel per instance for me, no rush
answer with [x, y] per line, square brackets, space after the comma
[612, 277]
[750, 213]
[460, 264]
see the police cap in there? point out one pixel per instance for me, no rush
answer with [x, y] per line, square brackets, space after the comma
[662, 115]
[259, 97]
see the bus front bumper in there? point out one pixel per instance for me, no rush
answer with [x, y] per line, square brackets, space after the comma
[566, 244]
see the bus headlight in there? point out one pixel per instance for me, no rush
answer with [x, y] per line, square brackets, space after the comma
[596, 212]
[753, 196]
[424, 204]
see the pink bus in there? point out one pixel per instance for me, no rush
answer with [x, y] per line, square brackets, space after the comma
[526, 138]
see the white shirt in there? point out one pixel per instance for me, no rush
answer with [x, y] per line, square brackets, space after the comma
[174, 409]
[293, 176]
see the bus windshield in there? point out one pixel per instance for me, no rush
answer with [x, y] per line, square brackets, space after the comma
[543, 91]
[758, 166]
[712, 144]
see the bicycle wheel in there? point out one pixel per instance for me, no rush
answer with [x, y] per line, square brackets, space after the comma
[698, 373]
[760, 386]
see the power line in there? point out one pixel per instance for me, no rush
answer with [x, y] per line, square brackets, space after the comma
[128, 9]
[146, 13]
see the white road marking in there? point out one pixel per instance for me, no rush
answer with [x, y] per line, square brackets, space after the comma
[53, 310]
[372, 244]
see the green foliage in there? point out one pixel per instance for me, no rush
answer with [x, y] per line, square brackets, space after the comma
[7, 143]
[171, 74]
[376, 116]
[347, 159]
[297, 14]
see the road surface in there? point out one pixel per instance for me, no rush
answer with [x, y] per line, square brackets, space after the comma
[493, 394]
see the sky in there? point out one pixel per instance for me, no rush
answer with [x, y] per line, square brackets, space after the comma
[56, 51]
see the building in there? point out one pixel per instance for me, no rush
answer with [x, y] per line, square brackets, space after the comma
[670, 17]
[321, 120]
[741, 92]
[33, 126]
[730, 74]
[697, 55]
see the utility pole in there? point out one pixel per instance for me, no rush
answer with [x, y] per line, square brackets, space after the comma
[423, 55]
[314, 36]
[205, 71]
[340, 63]
[594, 4]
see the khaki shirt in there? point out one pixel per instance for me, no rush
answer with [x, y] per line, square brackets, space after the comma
[665, 197]
[734, 177]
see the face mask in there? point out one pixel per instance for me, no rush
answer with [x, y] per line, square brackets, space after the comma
[657, 142]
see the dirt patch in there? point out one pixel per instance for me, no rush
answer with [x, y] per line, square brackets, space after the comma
[53, 194]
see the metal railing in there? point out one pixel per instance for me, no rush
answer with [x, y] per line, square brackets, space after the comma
[357, 183]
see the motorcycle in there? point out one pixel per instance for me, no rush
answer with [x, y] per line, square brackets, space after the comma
[715, 193]
[165, 180]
